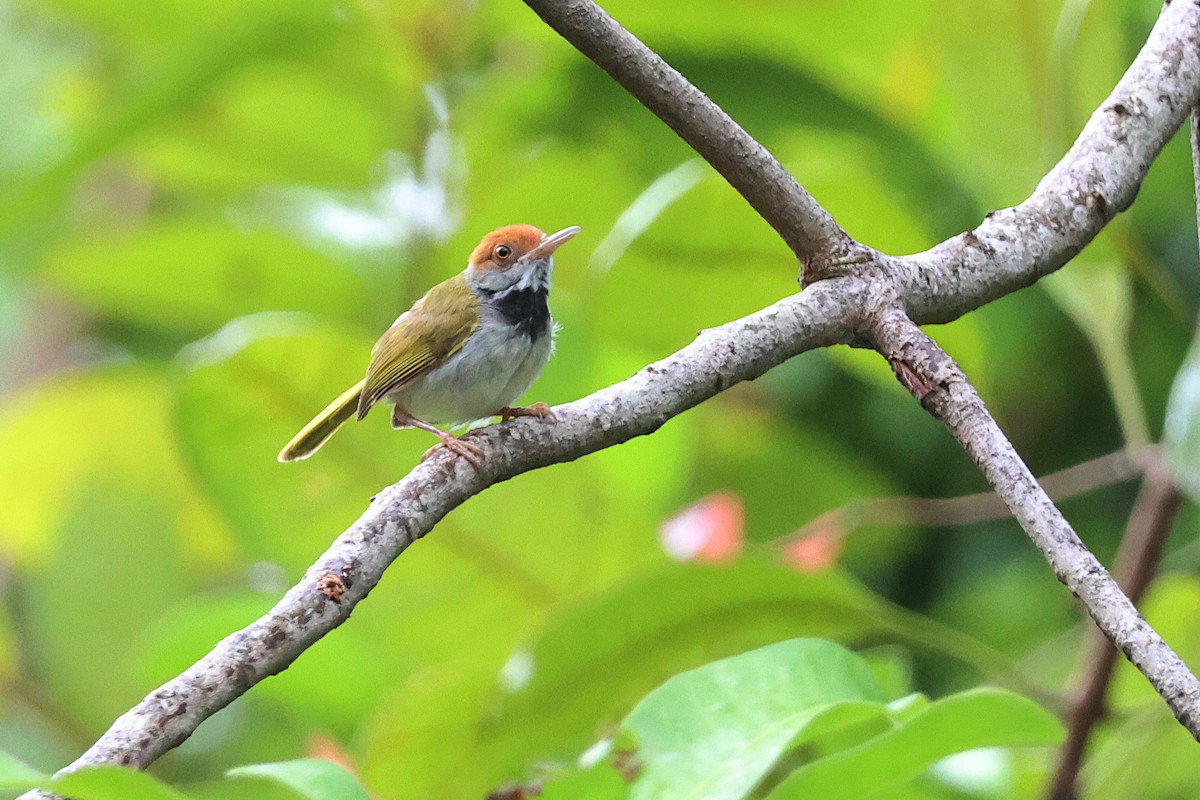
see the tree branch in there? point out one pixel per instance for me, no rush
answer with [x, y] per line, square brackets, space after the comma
[786, 205]
[1008, 251]
[1097, 178]
[1141, 547]
[943, 390]
[406, 511]
[969, 509]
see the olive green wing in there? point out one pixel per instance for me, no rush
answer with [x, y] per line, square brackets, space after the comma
[435, 328]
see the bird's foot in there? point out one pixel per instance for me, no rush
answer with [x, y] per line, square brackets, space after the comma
[455, 445]
[539, 410]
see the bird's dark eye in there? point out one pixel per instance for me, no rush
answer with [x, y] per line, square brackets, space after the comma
[503, 251]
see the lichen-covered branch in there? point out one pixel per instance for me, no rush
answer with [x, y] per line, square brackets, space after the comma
[937, 382]
[1196, 160]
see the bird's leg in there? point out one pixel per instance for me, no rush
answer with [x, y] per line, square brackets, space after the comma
[402, 419]
[539, 410]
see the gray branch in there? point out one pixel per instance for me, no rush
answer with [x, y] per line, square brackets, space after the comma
[787, 206]
[934, 378]
[1009, 250]
[1098, 178]
[404, 512]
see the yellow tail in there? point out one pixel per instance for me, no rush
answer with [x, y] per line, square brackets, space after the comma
[323, 425]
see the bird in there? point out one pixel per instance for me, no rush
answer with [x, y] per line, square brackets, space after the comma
[465, 351]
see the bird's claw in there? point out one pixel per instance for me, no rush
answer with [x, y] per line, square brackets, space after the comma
[465, 449]
[539, 410]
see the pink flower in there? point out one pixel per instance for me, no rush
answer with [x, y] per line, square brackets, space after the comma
[710, 530]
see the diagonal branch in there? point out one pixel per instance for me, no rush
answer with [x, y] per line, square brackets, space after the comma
[943, 390]
[406, 511]
[1097, 179]
[786, 205]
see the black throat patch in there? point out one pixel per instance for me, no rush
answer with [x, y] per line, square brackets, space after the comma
[526, 310]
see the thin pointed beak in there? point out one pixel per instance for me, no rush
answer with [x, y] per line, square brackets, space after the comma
[550, 243]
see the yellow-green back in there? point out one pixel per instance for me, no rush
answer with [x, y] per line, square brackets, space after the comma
[430, 332]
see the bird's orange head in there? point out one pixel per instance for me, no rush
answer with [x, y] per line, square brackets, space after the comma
[515, 256]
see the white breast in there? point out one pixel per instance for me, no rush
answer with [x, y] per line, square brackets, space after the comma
[492, 370]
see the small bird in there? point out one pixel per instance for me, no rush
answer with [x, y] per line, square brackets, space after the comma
[473, 344]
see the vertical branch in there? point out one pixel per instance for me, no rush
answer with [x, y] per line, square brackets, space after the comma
[942, 389]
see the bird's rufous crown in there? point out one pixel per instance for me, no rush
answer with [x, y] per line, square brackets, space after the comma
[519, 239]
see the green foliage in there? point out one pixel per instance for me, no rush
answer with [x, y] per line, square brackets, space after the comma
[800, 718]
[112, 783]
[16, 774]
[714, 732]
[208, 212]
[311, 778]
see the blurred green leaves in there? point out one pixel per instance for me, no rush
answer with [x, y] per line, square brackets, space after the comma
[15, 774]
[112, 783]
[799, 718]
[311, 778]
[209, 211]
[308, 779]
[189, 277]
[582, 668]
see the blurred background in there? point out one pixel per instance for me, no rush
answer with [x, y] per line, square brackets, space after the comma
[210, 210]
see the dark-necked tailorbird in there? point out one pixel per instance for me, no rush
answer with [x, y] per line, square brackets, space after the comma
[463, 352]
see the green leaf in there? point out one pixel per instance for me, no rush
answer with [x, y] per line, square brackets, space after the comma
[1098, 296]
[202, 52]
[245, 390]
[48, 448]
[587, 784]
[94, 487]
[735, 80]
[714, 732]
[312, 778]
[1181, 429]
[192, 276]
[1144, 754]
[973, 719]
[681, 616]
[112, 783]
[16, 775]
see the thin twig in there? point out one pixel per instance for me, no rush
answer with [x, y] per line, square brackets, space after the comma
[933, 512]
[943, 390]
[1141, 547]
